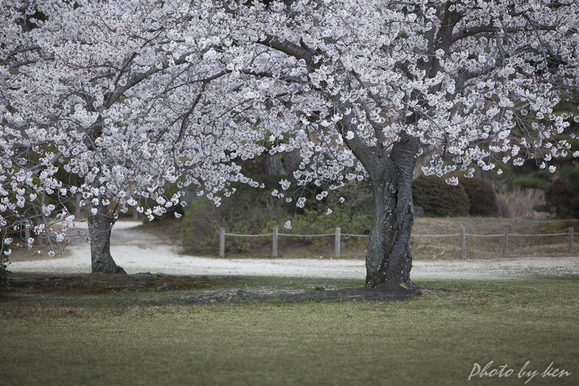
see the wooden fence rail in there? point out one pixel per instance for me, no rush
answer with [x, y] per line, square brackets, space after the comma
[338, 235]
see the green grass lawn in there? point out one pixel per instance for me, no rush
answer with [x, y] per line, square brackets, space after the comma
[118, 339]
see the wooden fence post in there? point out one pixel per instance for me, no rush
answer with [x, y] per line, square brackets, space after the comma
[274, 243]
[337, 242]
[463, 242]
[571, 247]
[221, 242]
[506, 242]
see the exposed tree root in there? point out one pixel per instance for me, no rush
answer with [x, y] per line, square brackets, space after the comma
[345, 294]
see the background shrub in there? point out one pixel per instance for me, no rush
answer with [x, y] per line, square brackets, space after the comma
[482, 198]
[256, 211]
[438, 198]
[563, 193]
[247, 211]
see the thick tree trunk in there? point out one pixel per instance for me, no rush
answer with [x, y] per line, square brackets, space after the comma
[100, 225]
[388, 257]
[270, 165]
[291, 162]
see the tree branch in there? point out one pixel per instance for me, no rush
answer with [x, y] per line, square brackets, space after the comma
[473, 31]
[289, 48]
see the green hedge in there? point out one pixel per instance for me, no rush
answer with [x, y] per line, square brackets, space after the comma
[530, 182]
[482, 197]
[563, 193]
[438, 198]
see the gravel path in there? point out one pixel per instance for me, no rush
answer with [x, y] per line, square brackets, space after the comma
[141, 252]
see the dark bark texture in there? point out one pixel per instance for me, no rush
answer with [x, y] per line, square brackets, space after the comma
[270, 165]
[100, 226]
[388, 257]
[291, 162]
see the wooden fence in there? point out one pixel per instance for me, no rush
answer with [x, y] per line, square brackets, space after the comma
[338, 235]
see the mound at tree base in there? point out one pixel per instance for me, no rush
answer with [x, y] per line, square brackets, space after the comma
[345, 294]
[102, 284]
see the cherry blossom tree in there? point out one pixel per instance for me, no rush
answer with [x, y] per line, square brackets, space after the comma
[130, 94]
[363, 87]
[98, 90]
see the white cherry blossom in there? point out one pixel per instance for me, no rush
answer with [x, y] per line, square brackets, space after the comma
[114, 99]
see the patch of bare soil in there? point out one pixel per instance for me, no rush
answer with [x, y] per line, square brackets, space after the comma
[304, 250]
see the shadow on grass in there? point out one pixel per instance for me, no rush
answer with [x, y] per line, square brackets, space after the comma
[101, 284]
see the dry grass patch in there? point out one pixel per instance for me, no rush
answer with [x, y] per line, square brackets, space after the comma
[21, 254]
[487, 248]
[168, 230]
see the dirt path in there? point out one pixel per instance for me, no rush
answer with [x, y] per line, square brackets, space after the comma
[141, 252]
